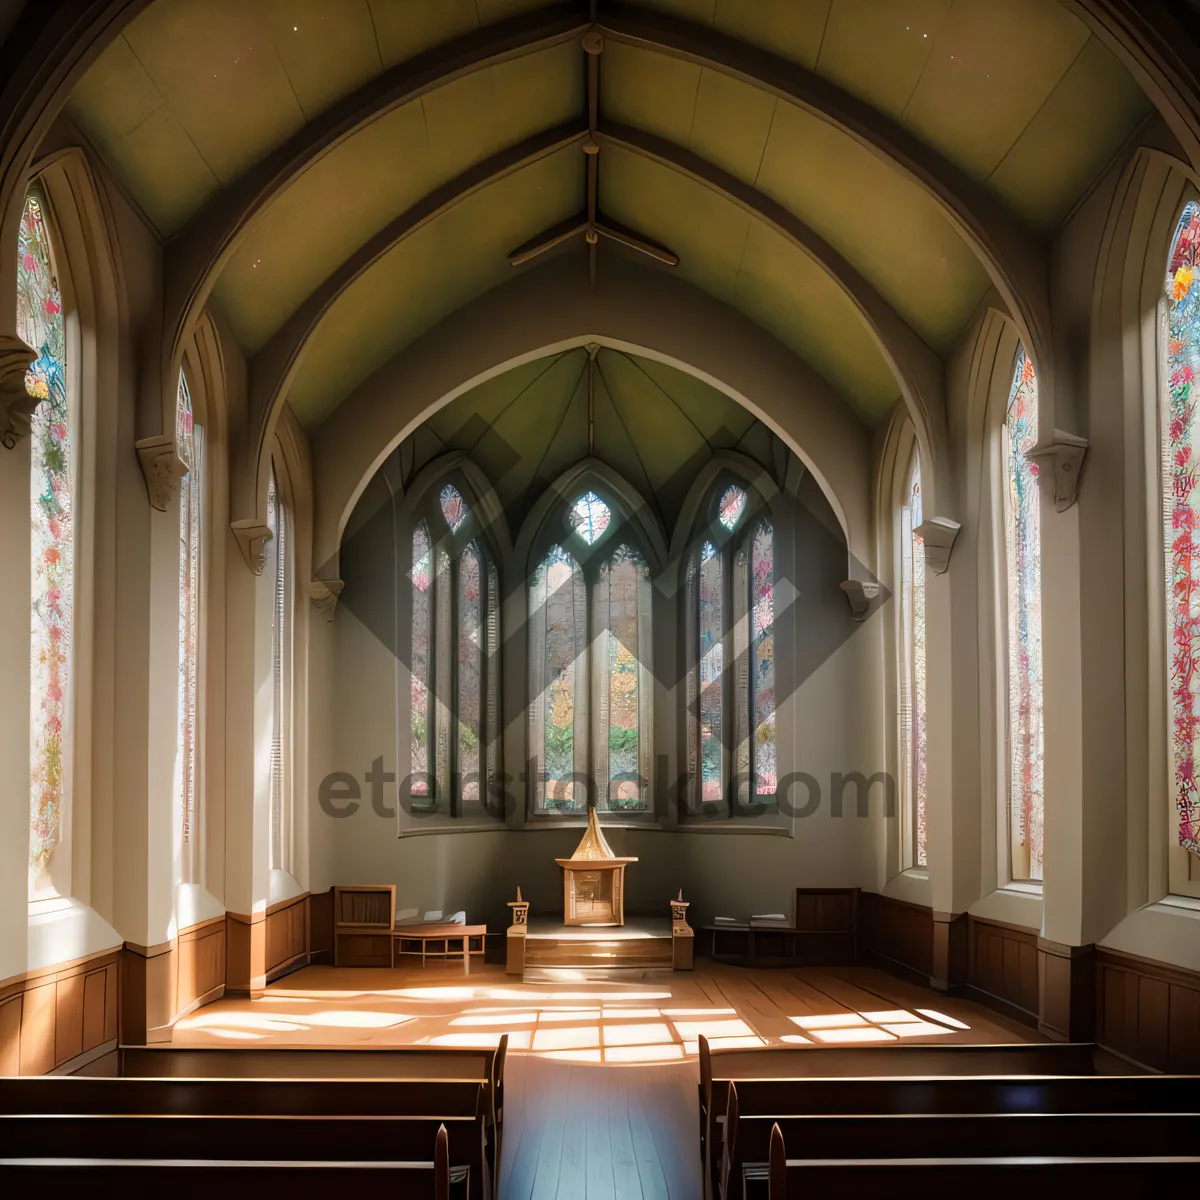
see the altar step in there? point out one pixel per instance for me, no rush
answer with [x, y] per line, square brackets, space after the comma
[571, 975]
[601, 953]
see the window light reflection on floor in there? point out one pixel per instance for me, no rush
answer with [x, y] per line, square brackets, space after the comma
[829, 1021]
[635, 1035]
[573, 1038]
[916, 1029]
[735, 1027]
[666, 1052]
[941, 1018]
[863, 1033]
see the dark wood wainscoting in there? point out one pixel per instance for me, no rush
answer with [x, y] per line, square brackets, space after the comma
[897, 933]
[1002, 963]
[66, 1014]
[1148, 1011]
[287, 936]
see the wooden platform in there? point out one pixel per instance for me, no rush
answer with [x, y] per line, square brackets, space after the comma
[642, 944]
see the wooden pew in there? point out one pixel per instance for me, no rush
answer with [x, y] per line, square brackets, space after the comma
[1014, 1135]
[719, 1067]
[241, 1180]
[981, 1179]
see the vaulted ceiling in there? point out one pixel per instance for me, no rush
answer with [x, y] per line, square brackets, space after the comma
[654, 425]
[716, 141]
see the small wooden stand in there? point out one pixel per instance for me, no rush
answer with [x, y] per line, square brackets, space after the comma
[362, 925]
[517, 931]
[683, 939]
[594, 880]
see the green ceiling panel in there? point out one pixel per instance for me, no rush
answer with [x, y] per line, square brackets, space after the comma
[884, 224]
[403, 30]
[1073, 137]
[991, 69]
[690, 10]
[882, 67]
[427, 276]
[784, 27]
[740, 261]
[648, 90]
[393, 162]
[731, 124]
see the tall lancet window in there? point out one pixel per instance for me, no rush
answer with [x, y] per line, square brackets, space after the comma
[189, 438]
[1022, 530]
[590, 669]
[730, 633]
[52, 574]
[1180, 445]
[912, 670]
[282, 588]
[454, 659]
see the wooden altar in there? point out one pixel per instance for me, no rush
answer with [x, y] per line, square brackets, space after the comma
[594, 880]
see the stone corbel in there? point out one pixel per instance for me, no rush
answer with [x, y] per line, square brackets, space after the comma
[324, 594]
[938, 535]
[252, 538]
[1059, 463]
[16, 404]
[860, 593]
[162, 467]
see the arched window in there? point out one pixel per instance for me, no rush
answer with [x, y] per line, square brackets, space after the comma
[189, 438]
[591, 713]
[282, 589]
[454, 658]
[1180, 443]
[912, 670]
[1022, 540]
[52, 486]
[730, 598]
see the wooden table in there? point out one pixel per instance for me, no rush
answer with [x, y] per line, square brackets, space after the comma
[411, 940]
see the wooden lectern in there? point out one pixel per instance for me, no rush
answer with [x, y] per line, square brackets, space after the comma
[594, 880]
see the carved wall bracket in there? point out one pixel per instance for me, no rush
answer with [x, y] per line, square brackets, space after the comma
[324, 594]
[162, 467]
[252, 538]
[860, 593]
[938, 534]
[16, 404]
[1059, 463]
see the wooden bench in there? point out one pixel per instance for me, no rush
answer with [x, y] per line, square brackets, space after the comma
[988, 1178]
[417, 1065]
[719, 1067]
[241, 1180]
[977, 1136]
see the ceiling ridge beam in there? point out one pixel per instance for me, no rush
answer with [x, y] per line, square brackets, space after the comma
[195, 257]
[1013, 256]
[919, 371]
[274, 367]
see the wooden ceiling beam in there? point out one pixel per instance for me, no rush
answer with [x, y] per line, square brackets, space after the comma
[918, 369]
[1013, 256]
[195, 257]
[274, 367]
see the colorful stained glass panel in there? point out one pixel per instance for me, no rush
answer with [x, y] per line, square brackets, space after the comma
[626, 578]
[454, 507]
[40, 324]
[1023, 559]
[422, 583]
[916, 731]
[189, 442]
[710, 655]
[563, 646]
[762, 659]
[1180, 438]
[469, 699]
[731, 506]
[590, 517]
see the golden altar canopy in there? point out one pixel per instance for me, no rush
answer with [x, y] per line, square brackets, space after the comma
[594, 880]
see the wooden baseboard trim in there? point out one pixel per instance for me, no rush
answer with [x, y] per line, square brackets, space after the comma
[1005, 1008]
[82, 1060]
[295, 963]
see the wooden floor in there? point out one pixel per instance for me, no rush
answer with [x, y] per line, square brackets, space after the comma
[653, 1020]
[601, 1078]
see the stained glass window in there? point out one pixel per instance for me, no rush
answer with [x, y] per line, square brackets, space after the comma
[1181, 518]
[40, 324]
[711, 673]
[454, 662]
[422, 612]
[590, 517]
[558, 616]
[762, 659]
[731, 506]
[279, 522]
[469, 699]
[189, 439]
[622, 605]
[1022, 527]
[912, 666]
[454, 508]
